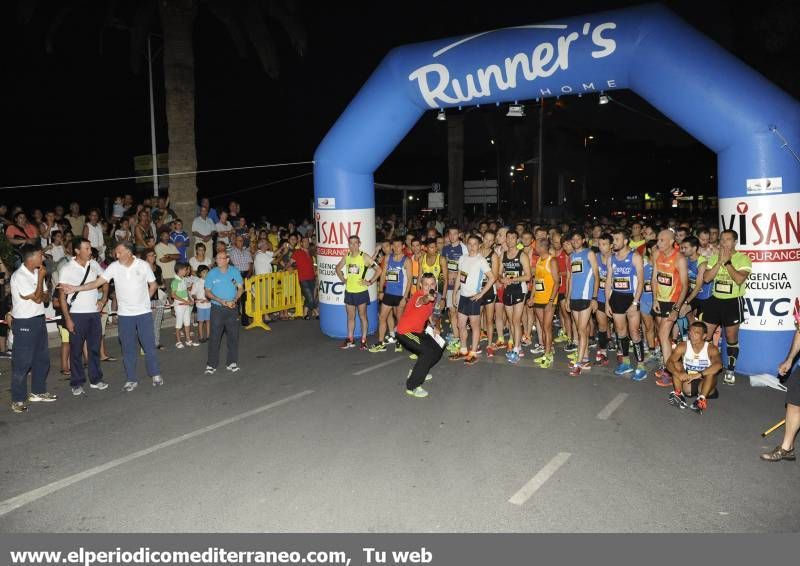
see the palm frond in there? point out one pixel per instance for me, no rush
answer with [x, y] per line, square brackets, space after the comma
[260, 38]
[224, 11]
[287, 13]
[142, 24]
[26, 9]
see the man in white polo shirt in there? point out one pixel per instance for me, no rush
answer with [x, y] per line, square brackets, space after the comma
[81, 313]
[203, 226]
[30, 354]
[135, 284]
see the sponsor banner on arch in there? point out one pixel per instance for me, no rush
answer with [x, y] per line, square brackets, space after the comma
[769, 232]
[334, 228]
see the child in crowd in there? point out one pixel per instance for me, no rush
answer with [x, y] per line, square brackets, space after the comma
[203, 304]
[182, 304]
[123, 231]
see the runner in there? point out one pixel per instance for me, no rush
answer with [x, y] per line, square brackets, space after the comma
[646, 305]
[584, 281]
[490, 298]
[694, 366]
[637, 238]
[516, 273]
[416, 254]
[394, 283]
[545, 297]
[729, 271]
[452, 251]
[500, 247]
[356, 294]
[670, 286]
[528, 316]
[624, 287]
[433, 262]
[604, 244]
[562, 257]
[699, 291]
[474, 281]
[417, 334]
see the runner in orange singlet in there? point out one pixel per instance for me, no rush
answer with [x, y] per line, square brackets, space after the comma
[670, 286]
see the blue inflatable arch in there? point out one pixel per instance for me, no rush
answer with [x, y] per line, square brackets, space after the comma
[753, 126]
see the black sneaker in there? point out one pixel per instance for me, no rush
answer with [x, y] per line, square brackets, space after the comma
[677, 400]
[571, 347]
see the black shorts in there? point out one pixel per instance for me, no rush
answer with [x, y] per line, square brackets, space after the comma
[513, 295]
[578, 305]
[793, 388]
[723, 312]
[601, 307]
[468, 307]
[356, 299]
[391, 300]
[561, 297]
[620, 302]
[697, 306]
[489, 298]
[541, 305]
[666, 308]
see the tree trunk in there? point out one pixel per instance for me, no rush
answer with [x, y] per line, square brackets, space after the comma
[455, 167]
[177, 25]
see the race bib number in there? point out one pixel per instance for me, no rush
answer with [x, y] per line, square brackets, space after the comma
[664, 279]
[512, 274]
[414, 280]
[353, 269]
[723, 288]
[452, 265]
[648, 287]
[538, 285]
[602, 280]
[463, 276]
[577, 267]
[622, 284]
[392, 277]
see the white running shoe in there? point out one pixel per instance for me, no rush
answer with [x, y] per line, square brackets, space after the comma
[234, 367]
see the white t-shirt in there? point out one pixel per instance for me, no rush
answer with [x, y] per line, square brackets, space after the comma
[220, 227]
[203, 226]
[72, 272]
[132, 286]
[167, 268]
[23, 282]
[95, 234]
[471, 270]
[195, 263]
[56, 252]
[262, 263]
[199, 293]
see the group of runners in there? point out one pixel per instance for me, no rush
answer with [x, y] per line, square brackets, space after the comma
[653, 300]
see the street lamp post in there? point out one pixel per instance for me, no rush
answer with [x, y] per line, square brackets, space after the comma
[153, 150]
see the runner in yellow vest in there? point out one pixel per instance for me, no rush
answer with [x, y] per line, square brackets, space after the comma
[545, 296]
[352, 271]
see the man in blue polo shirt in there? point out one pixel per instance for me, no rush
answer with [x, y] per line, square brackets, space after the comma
[224, 286]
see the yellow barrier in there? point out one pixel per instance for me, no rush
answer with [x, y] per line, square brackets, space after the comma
[270, 293]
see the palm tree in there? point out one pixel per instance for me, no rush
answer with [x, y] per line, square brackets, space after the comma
[249, 23]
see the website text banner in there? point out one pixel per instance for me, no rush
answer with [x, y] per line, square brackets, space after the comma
[391, 549]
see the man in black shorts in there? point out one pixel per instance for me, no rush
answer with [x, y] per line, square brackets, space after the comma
[785, 450]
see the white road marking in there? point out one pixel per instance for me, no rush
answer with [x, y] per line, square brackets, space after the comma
[538, 480]
[380, 365]
[23, 499]
[612, 406]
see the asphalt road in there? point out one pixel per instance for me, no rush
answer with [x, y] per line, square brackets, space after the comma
[297, 442]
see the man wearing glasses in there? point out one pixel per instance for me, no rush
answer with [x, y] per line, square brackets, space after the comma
[224, 287]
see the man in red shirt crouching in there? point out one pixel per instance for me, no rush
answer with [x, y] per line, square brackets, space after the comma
[419, 337]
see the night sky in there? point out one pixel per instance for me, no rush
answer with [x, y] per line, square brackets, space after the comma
[82, 113]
